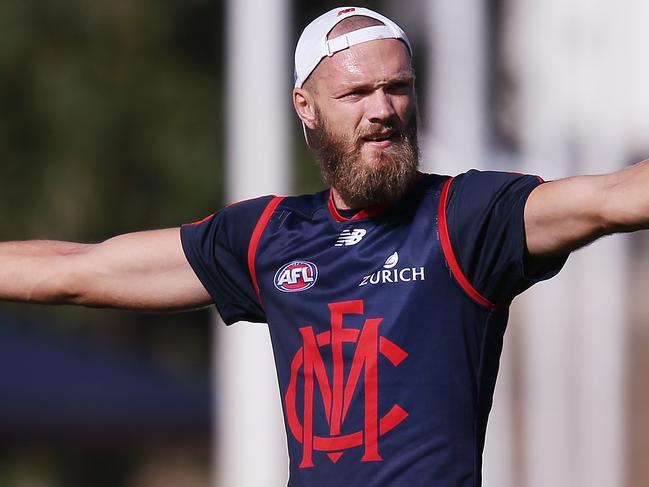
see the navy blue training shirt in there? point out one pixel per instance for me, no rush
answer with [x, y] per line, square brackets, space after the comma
[386, 327]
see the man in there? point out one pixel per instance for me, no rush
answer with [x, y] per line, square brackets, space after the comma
[386, 296]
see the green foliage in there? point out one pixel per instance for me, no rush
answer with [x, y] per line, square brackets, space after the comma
[111, 117]
[110, 121]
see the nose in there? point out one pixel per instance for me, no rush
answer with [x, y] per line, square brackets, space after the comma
[380, 107]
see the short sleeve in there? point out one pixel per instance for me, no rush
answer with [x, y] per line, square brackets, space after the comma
[485, 219]
[217, 250]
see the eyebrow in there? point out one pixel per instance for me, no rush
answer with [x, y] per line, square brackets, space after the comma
[404, 76]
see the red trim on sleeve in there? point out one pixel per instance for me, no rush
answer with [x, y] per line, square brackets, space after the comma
[256, 237]
[449, 254]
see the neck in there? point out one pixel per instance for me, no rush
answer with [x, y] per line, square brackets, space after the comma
[341, 204]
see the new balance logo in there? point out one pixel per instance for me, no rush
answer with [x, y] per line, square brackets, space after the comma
[350, 237]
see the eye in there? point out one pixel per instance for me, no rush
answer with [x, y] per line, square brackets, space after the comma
[354, 94]
[399, 87]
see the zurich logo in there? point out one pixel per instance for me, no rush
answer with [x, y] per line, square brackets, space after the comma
[391, 274]
[392, 261]
[298, 275]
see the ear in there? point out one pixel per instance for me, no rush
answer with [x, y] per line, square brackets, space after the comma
[304, 105]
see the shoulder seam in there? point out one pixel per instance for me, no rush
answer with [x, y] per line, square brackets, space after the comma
[306, 214]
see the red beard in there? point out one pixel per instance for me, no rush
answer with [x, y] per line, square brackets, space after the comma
[364, 176]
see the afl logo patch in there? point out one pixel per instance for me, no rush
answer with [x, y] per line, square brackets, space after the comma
[298, 275]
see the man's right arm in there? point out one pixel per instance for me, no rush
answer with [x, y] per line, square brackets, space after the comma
[140, 271]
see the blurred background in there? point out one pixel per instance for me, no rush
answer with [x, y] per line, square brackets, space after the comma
[132, 115]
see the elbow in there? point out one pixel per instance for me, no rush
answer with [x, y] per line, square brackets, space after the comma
[620, 212]
[55, 290]
[606, 224]
[615, 211]
[62, 281]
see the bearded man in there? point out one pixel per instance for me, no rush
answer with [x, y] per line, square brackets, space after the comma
[386, 295]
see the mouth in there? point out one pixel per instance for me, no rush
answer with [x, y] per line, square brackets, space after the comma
[381, 139]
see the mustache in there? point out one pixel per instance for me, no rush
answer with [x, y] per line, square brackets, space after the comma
[390, 128]
[382, 132]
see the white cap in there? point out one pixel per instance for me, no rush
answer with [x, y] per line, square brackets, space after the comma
[313, 44]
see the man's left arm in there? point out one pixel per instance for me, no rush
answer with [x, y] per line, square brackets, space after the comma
[564, 215]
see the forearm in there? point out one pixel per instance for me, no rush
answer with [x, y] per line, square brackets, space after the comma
[35, 271]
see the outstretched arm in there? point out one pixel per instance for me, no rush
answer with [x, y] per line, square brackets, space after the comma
[564, 215]
[142, 271]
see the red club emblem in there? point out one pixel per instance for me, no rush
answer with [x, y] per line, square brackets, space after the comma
[309, 363]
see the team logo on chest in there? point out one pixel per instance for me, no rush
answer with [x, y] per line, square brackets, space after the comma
[308, 367]
[298, 275]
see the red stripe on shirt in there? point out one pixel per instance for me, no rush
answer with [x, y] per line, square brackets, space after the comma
[256, 237]
[449, 254]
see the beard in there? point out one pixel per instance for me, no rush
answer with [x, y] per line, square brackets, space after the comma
[364, 175]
